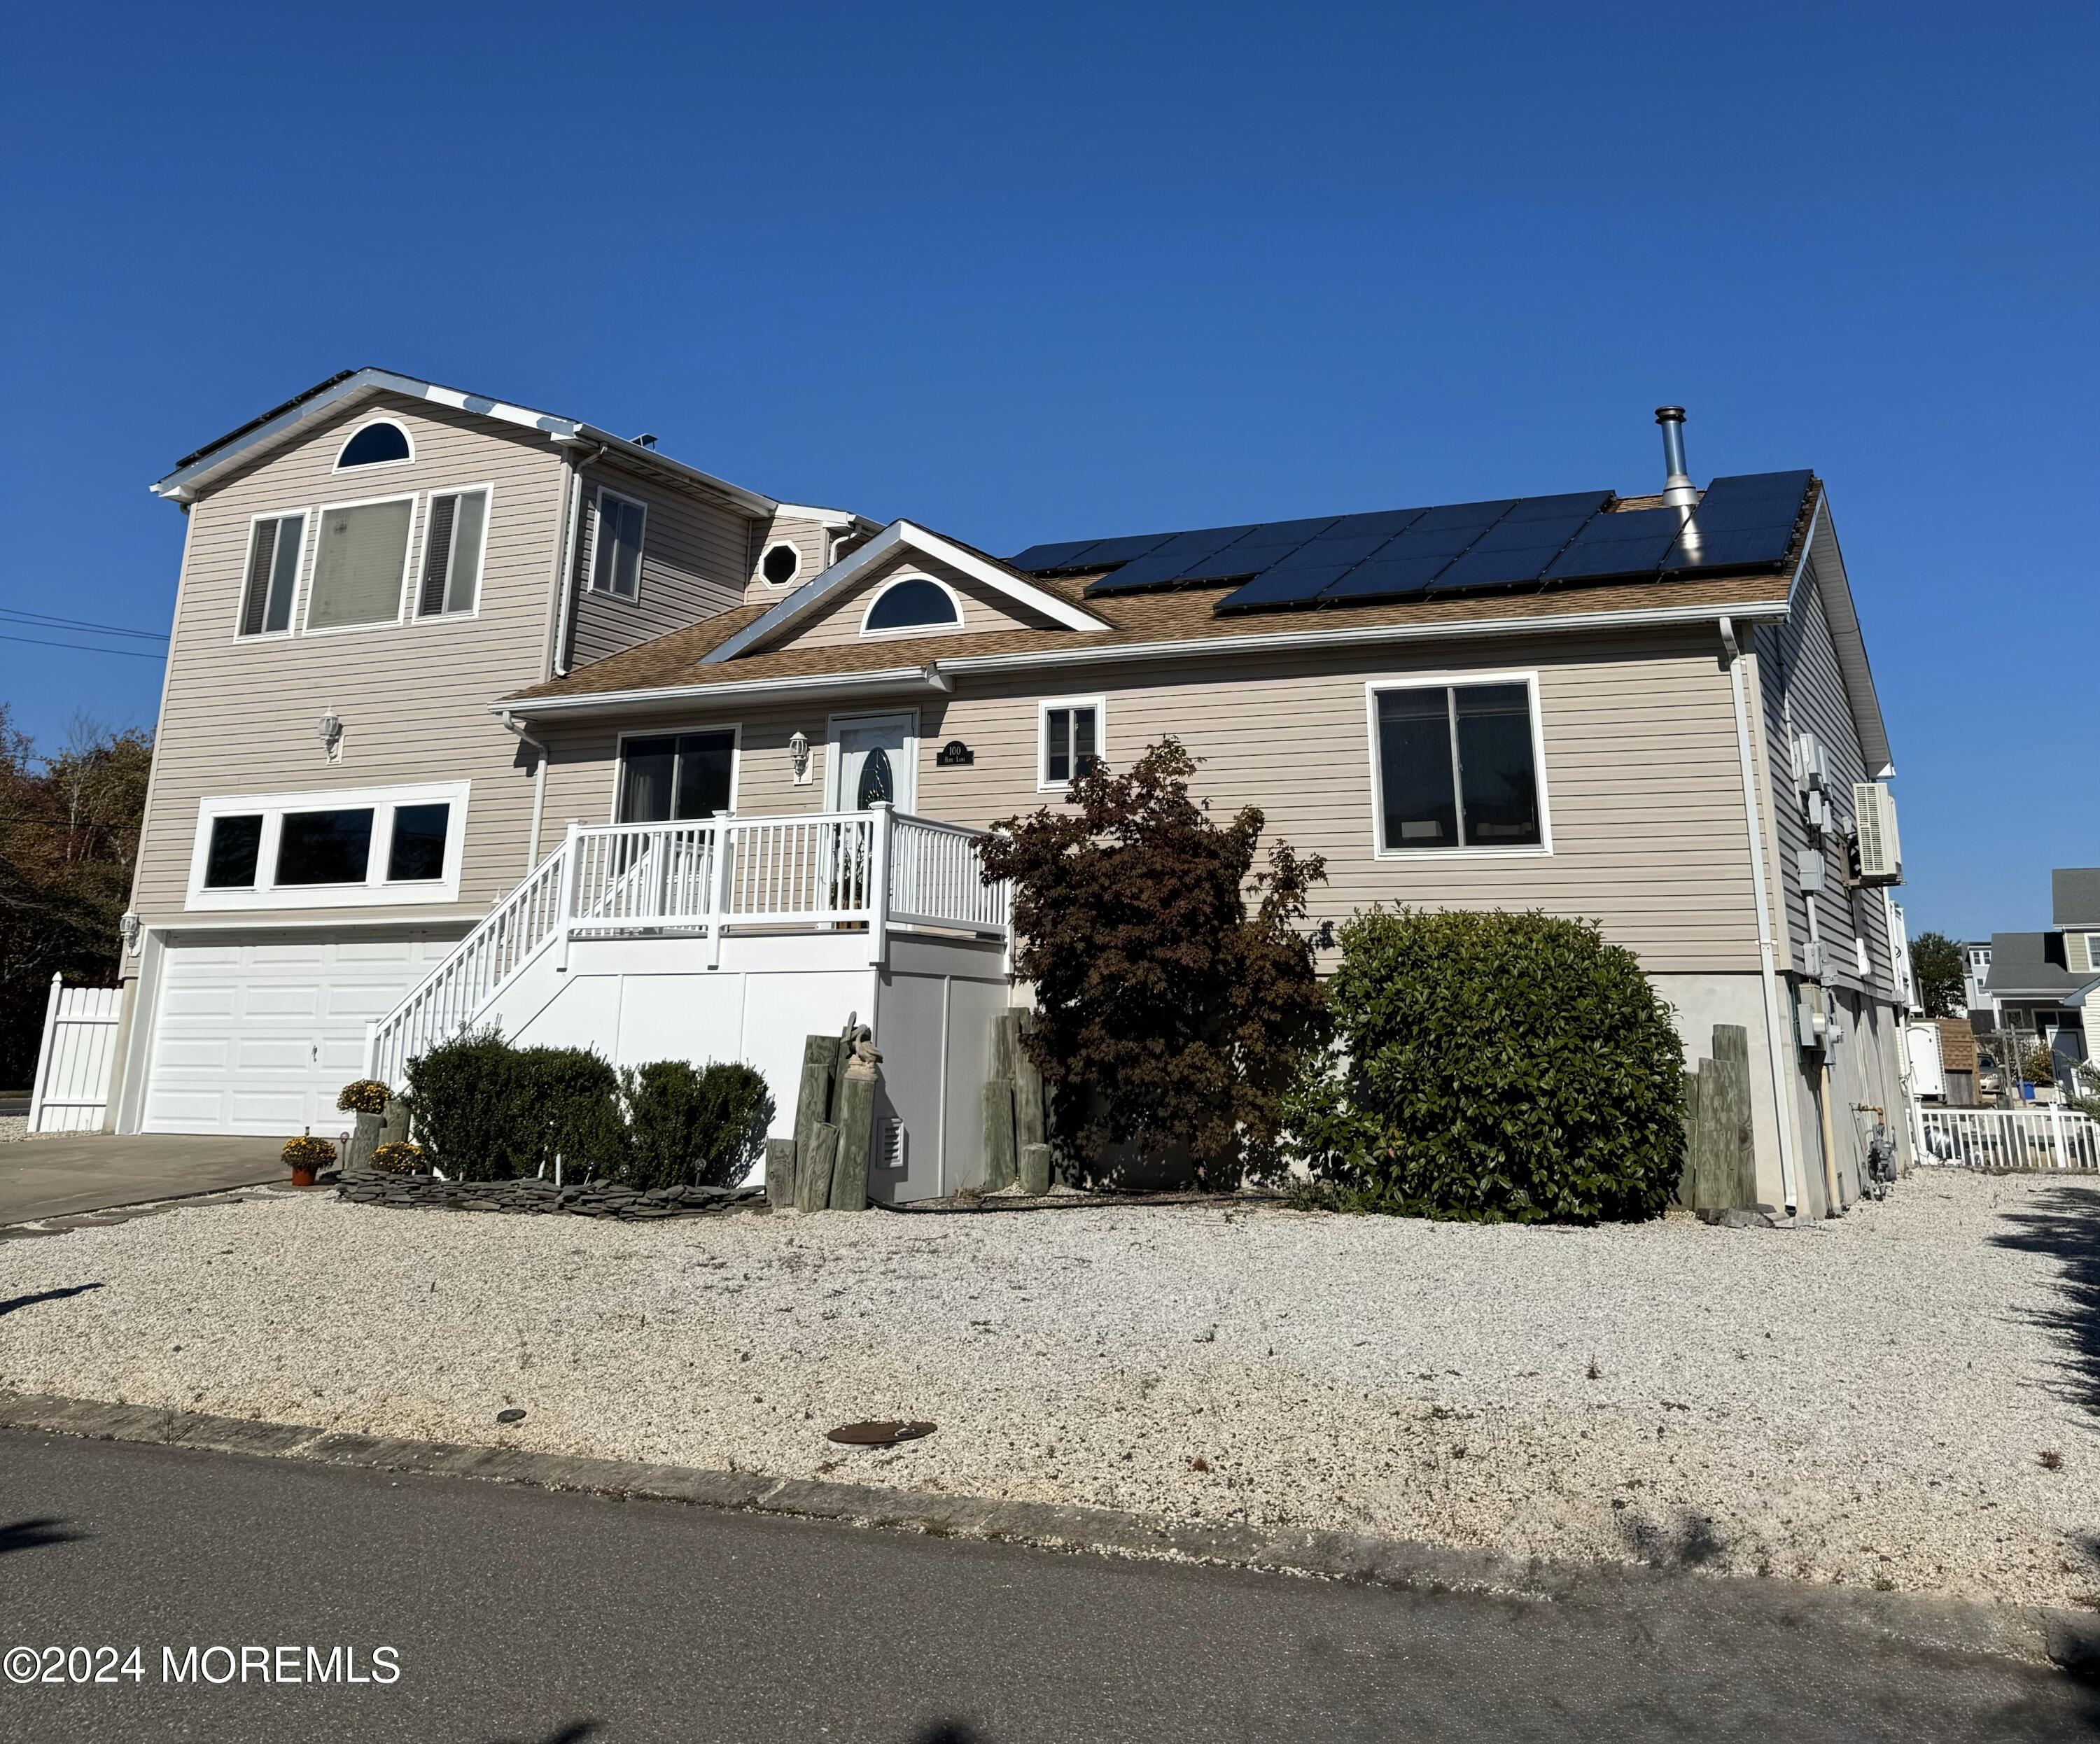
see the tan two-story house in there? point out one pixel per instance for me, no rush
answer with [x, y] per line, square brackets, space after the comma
[478, 714]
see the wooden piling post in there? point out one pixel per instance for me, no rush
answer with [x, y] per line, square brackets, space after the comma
[780, 1173]
[1035, 1169]
[856, 1131]
[812, 1100]
[1735, 1147]
[1687, 1193]
[999, 1157]
[813, 1168]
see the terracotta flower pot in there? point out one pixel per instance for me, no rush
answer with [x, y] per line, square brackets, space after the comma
[301, 1177]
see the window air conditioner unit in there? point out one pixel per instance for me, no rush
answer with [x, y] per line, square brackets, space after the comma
[1874, 815]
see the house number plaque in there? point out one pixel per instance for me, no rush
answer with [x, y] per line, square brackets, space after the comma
[955, 754]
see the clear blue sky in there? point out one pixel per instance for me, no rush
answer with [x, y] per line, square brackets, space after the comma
[1027, 273]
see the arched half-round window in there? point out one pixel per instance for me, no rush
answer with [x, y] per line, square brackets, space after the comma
[914, 604]
[375, 445]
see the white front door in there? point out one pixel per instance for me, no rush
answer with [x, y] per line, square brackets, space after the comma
[873, 757]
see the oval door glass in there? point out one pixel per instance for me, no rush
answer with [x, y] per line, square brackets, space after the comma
[876, 782]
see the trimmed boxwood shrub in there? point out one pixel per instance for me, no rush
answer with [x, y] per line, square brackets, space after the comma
[693, 1128]
[1493, 1066]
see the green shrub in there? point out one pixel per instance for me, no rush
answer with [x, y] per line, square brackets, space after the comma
[571, 1110]
[689, 1128]
[366, 1096]
[1494, 1067]
[466, 1099]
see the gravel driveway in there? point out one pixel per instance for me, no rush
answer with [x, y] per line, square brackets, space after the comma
[1867, 1402]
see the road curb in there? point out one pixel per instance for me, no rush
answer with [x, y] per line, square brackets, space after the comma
[2031, 1633]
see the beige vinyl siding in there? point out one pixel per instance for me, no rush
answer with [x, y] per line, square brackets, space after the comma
[239, 714]
[1643, 781]
[695, 559]
[810, 538]
[1802, 686]
[984, 608]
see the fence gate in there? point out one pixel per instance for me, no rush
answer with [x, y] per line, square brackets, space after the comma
[2050, 1139]
[72, 1090]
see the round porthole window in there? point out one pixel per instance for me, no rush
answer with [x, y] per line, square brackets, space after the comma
[782, 563]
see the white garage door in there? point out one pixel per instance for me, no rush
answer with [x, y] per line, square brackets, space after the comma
[257, 1034]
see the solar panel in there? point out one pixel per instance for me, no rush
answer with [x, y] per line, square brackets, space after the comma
[1172, 560]
[1279, 586]
[1389, 575]
[1519, 547]
[1037, 559]
[1110, 551]
[1745, 519]
[1633, 542]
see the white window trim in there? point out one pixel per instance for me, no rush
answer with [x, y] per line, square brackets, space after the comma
[422, 553]
[959, 623]
[1444, 681]
[1099, 705]
[735, 729]
[375, 891]
[598, 543]
[780, 544]
[408, 435]
[306, 519]
[401, 595]
[833, 762]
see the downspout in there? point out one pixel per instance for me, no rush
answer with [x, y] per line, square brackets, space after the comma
[563, 625]
[1782, 1110]
[538, 785]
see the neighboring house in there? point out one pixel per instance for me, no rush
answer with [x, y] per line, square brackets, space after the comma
[1976, 1003]
[1655, 712]
[2040, 982]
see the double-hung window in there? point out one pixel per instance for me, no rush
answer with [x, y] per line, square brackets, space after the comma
[346, 846]
[616, 561]
[360, 564]
[275, 543]
[1070, 741]
[453, 532]
[1456, 768]
[672, 778]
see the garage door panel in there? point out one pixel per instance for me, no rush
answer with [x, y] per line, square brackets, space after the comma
[259, 1036]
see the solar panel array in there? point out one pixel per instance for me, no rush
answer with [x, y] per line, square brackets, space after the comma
[1741, 522]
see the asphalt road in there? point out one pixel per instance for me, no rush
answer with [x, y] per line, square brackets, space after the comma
[520, 1615]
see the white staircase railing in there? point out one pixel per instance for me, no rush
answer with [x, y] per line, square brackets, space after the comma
[845, 872]
[2049, 1138]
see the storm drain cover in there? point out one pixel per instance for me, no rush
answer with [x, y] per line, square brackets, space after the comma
[878, 1434]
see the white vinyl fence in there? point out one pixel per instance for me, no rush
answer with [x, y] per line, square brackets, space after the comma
[71, 1089]
[2008, 1139]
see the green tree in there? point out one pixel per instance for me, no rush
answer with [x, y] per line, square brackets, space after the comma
[68, 843]
[1175, 991]
[1936, 965]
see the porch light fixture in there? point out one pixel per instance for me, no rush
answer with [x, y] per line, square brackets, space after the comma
[132, 930]
[798, 752]
[331, 735]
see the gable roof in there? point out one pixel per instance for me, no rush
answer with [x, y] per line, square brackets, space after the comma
[2032, 964]
[2075, 896]
[900, 538]
[1149, 627]
[196, 473]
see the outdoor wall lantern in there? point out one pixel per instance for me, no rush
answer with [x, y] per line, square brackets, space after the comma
[331, 735]
[798, 752]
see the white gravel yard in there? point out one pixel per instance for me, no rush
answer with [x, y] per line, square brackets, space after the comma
[1867, 1401]
[13, 1126]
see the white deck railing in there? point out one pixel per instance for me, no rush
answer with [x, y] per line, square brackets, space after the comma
[2008, 1139]
[840, 872]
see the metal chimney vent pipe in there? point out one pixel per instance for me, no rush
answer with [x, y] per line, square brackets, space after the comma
[1678, 492]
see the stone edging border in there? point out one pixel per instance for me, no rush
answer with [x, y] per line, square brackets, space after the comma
[2032, 1633]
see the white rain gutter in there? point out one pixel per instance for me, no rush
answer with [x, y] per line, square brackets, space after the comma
[1782, 1106]
[1115, 653]
[539, 784]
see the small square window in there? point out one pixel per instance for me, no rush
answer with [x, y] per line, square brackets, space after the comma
[324, 847]
[1455, 768]
[1071, 741]
[417, 850]
[230, 861]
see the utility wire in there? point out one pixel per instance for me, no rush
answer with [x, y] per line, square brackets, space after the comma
[129, 654]
[79, 624]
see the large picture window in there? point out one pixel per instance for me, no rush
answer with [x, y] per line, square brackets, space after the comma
[676, 776]
[360, 564]
[342, 848]
[1457, 767]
